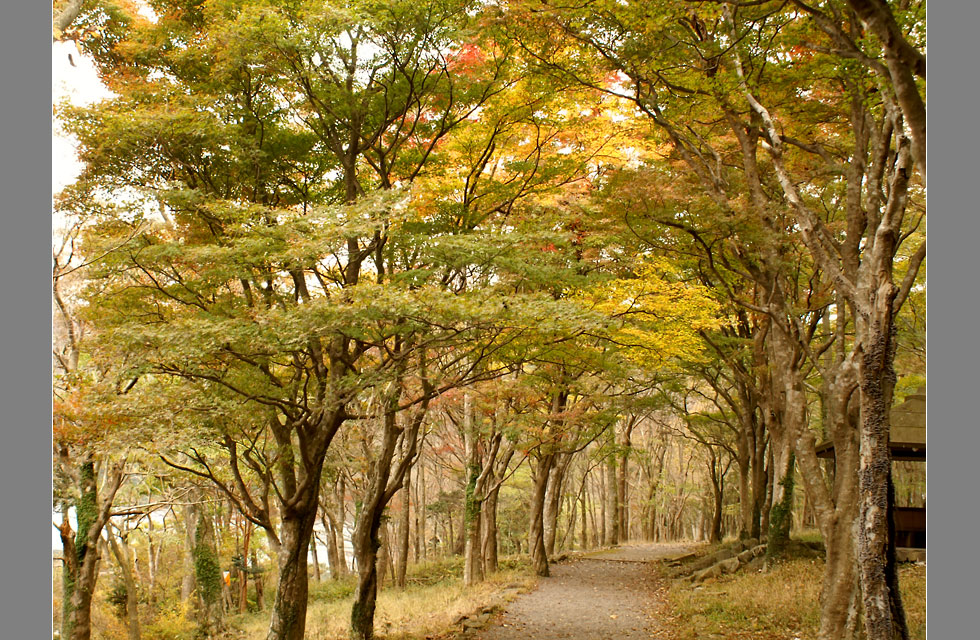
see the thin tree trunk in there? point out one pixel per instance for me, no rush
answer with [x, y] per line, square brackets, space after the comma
[472, 566]
[243, 573]
[316, 559]
[257, 580]
[188, 583]
[404, 532]
[121, 551]
[387, 479]
[552, 505]
[611, 510]
[330, 541]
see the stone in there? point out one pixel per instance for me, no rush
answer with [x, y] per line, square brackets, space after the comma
[677, 560]
[756, 565]
[724, 554]
[713, 571]
[745, 556]
[729, 566]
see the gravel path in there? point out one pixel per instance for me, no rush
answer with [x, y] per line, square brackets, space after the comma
[600, 596]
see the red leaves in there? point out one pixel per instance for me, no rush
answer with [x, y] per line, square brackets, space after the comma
[467, 61]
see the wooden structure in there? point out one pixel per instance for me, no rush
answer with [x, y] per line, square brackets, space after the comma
[907, 441]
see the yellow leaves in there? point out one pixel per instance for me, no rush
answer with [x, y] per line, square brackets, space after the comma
[657, 314]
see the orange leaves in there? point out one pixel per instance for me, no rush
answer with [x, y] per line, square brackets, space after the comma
[468, 61]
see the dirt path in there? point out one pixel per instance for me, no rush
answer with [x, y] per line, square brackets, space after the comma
[604, 595]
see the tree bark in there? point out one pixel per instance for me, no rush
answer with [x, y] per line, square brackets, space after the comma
[404, 533]
[66, 16]
[536, 545]
[121, 551]
[316, 560]
[188, 583]
[292, 590]
[386, 480]
[552, 505]
[884, 613]
[333, 555]
[612, 500]
[82, 554]
[472, 565]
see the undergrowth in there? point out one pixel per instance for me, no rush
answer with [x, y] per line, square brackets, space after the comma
[781, 604]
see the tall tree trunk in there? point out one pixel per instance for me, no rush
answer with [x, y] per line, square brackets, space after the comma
[208, 578]
[316, 559]
[611, 509]
[421, 543]
[404, 532]
[489, 515]
[188, 583]
[760, 480]
[622, 484]
[490, 543]
[472, 566]
[718, 497]
[536, 545]
[243, 572]
[81, 551]
[334, 559]
[292, 588]
[884, 613]
[257, 580]
[603, 499]
[386, 480]
[120, 549]
[152, 557]
[840, 597]
[366, 545]
[552, 505]
[780, 514]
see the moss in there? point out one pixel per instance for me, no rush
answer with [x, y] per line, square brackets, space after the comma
[472, 504]
[206, 567]
[86, 511]
[781, 515]
[68, 589]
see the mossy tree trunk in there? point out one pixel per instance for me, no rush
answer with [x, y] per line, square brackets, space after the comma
[207, 575]
[81, 548]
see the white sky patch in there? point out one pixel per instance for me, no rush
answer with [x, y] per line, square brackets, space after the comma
[73, 79]
[147, 12]
[80, 85]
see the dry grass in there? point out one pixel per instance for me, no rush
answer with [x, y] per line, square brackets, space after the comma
[418, 611]
[782, 604]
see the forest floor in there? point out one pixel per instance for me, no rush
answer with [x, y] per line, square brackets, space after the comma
[601, 595]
